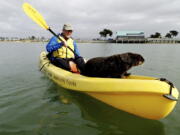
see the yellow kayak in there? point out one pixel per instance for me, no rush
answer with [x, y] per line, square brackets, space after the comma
[143, 96]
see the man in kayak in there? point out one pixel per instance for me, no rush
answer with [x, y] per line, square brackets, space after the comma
[65, 53]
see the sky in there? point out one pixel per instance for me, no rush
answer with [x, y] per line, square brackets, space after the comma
[89, 17]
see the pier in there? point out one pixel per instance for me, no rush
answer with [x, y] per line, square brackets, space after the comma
[139, 37]
[148, 40]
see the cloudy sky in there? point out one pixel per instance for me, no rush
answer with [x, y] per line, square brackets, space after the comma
[88, 17]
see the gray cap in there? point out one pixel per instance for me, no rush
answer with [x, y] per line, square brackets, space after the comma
[67, 27]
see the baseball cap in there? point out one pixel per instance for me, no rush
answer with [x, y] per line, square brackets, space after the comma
[67, 27]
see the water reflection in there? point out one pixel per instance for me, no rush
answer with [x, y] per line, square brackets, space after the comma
[106, 119]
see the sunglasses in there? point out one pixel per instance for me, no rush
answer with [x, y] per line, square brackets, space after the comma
[69, 30]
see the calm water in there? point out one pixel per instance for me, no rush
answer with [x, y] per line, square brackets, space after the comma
[31, 104]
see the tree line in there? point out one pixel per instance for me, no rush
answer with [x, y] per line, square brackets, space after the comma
[170, 34]
[22, 39]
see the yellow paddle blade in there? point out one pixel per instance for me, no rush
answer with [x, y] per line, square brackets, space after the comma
[35, 15]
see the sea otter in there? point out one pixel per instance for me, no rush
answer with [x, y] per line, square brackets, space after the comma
[115, 66]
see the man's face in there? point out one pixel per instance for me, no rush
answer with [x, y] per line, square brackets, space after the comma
[67, 33]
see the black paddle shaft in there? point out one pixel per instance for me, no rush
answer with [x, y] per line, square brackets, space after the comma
[61, 40]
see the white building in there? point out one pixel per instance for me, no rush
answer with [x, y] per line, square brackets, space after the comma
[129, 35]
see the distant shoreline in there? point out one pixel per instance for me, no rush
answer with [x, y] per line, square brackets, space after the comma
[78, 41]
[145, 41]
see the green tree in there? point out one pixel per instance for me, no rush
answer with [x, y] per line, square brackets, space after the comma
[102, 34]
[32, 38]
[156, 35]
[173, 33]
[152, 36]
[168, 35]
[106, 32]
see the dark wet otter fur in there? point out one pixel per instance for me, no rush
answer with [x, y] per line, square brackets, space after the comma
[114, 66]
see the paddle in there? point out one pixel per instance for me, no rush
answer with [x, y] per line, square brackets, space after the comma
[38, 18]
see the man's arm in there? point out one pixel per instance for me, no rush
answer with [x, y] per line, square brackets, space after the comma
[76, 49]
[53, 45]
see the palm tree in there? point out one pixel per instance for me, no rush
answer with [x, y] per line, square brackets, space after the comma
[151, 36]
[168, 35]
[102, 34]
[157, 35]
[106, 32]
[174, 33]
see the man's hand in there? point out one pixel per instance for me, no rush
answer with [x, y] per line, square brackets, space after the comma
[65, 43]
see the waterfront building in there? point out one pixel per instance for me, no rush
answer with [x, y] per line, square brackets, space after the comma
[130, 37]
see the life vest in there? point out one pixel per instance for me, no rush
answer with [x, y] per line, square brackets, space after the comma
[61, 52]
